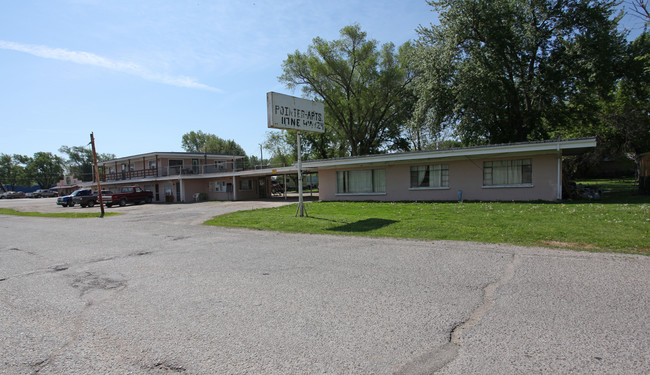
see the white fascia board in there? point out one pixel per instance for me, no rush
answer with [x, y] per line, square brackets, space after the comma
[269, 171]
[463, 153]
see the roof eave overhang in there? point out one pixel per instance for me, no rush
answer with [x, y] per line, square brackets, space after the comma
[565, 147]
[171, 155]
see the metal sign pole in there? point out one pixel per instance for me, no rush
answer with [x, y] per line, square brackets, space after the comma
[96, 169]
[301, 207]
[291, 113]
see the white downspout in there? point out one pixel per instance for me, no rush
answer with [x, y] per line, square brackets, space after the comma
[234, 189]
[559, 173]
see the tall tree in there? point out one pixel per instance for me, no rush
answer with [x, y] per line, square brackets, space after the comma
[80, 161]
[521, 69]
[12, 171]
[205, 142]
[281, 148]
[363, 86]
[625, 117]
[45, 168]
[640, 9]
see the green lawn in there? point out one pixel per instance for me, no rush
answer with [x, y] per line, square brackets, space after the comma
[611, 224]
[73, 215]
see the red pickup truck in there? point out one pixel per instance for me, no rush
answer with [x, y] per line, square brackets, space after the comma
[128, 194]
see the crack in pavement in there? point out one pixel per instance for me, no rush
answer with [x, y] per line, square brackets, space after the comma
[40, 365]
[27, 252]
[438, 358]
[86, 283]
[65, 266]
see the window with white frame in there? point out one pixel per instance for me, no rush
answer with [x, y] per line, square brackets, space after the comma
[508, 172]
[367, 181]
[430, 176]
[219, 165]
[218, 186]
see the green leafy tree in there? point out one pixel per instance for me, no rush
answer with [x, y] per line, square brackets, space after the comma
[364, 89]
[12, 171]
[625, 118]
[281, 146]
[45, 168]
[433, 115]
[80, 162]
[205, 142]
[518, 70]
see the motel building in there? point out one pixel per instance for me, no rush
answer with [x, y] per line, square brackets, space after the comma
[508, 172]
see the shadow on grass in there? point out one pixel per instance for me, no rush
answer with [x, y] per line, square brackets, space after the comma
[615, 198]
[366, 225]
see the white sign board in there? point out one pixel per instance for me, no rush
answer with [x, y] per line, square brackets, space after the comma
[289, 112]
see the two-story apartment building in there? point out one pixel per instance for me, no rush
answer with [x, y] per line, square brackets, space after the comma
[186, 177]
[174, 176]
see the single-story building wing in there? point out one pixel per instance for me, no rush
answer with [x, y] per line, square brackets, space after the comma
[508, 172]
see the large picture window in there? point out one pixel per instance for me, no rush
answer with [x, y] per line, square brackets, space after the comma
[245, 185]
[368, 181]
[430, 176]
[508, 172]
[218, 186]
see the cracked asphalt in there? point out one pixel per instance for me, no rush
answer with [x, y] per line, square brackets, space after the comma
[154, 292]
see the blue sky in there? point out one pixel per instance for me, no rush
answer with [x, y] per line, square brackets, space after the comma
[141, 73]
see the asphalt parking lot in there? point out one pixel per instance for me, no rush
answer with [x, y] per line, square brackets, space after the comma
[153, 291]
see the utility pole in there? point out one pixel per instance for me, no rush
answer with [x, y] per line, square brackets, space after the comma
[261, 158]
[96, 169]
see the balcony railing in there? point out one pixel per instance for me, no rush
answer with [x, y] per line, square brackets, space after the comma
[165, 172]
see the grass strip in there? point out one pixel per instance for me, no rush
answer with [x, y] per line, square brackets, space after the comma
[69, 215]
[612, 227]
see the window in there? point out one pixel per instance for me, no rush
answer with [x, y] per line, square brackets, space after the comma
[218, 186]
[369, 181]
[430, 176]
[245, 185]
[219, 164]
[508, 172]
[175, 166]
[168, 189]
[152, 164]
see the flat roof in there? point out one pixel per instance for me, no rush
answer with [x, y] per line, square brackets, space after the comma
[564, 146]
[193, 155]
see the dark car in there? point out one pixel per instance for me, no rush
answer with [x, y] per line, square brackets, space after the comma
[43, 193]
[14, 194]
[89, 200]
[68, 199]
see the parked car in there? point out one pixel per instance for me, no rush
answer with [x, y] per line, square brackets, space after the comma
[128, 194]
[89, 200]
[67, 200]
[277, 188]
[14, 194]
[2, 196]
[43, 193]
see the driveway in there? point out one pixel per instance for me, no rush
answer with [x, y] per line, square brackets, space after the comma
[153, 292]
